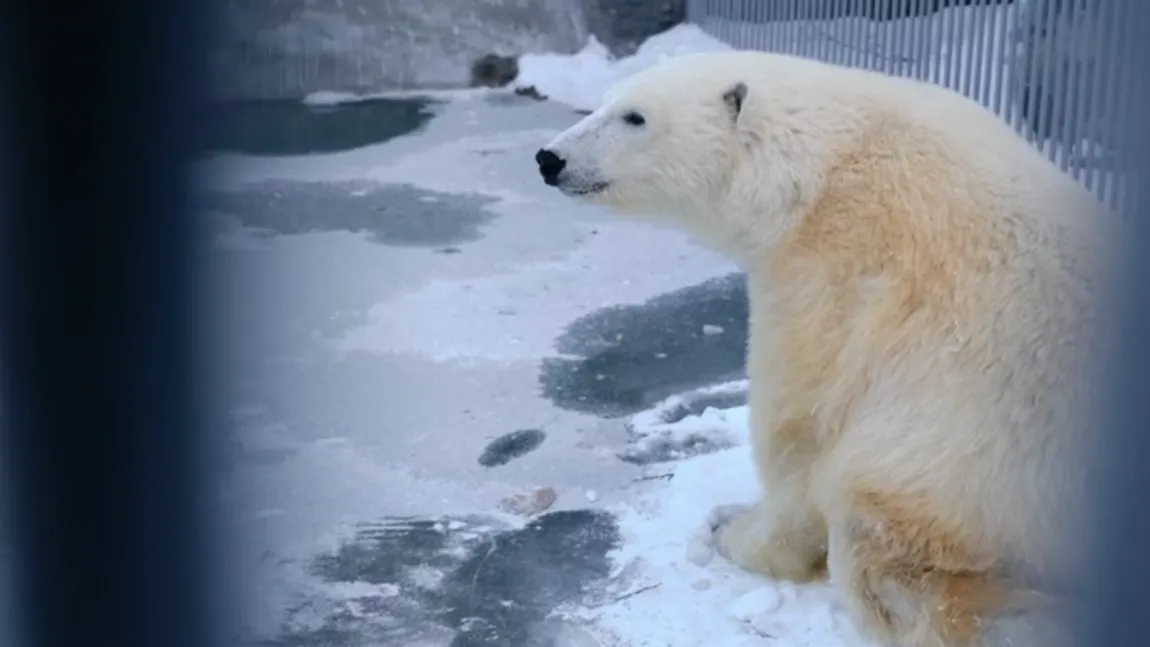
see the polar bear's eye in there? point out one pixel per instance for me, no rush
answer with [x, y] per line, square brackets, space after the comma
[634, 119]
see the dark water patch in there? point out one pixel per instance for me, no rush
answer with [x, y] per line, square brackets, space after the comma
[465, 582]
[392, 214]
[510, 446]
[290, 127]
[631, 357]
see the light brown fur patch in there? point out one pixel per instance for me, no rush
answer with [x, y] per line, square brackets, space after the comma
[945, 590]
[866, 259]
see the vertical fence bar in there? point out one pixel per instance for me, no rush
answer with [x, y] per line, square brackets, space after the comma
[989, 66]
[746, 30]
[1115, 73]
[950, 40]
[831, 26]
[1110, 113]
[1051, 56]
[1023, 90]
[946, 45]
[1095, 85]
[697, 12]
[850, 45]
[1072, 123]
[868, 53]
[1008, 50]
[1004, 58]
[992, 67]
[787, 39]
[822, 49]
[749, 27]
[1061, 129]
[1083, 88]
[937, 42]
[769, 13]
[918, 35]
[846, 31]
[719, 19]
[970, 60]
[849, 39]
[801, 15]
[1133, 80]
[900, 31]
[935, 55]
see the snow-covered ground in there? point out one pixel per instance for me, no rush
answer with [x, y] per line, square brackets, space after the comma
[677, 591]
[505, 419]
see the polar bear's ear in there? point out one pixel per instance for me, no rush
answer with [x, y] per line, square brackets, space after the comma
[734, 98]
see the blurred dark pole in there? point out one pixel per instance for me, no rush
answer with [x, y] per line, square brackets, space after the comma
[1120, 557]
[102, 425]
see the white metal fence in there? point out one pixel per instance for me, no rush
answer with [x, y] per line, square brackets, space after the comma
[1056, 70]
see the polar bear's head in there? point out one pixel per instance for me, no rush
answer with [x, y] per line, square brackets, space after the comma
[660, 144]
[731, 146]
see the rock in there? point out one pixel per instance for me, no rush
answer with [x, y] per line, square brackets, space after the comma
[531, 503]
[622, 25]
[494, 71]
[530, 91]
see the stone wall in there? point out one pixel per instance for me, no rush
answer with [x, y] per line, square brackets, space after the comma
[270, 49]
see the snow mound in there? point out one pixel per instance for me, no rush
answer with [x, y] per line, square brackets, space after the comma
[678, 591]
[580, 79]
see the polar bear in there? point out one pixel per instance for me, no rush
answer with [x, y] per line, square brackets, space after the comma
[924, 287]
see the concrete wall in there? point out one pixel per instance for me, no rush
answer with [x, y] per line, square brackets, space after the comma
[289, 48]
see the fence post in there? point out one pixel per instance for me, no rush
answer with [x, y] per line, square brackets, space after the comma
[696, 11]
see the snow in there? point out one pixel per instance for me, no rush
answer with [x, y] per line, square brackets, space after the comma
[580, 80]
[330, 98]
[335, 98]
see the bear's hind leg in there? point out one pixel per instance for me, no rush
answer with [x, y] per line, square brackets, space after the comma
[910, 583]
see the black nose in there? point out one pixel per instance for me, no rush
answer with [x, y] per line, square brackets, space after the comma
[549, 166]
